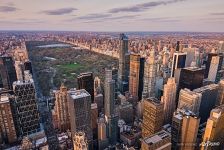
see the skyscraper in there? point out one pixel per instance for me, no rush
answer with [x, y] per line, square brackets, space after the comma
[178, 62]
[184, 129]
[208, 63]
[190, 57]
[25, 106]
[189, 132]
[124, 59]
[215, 66]
[61, 112]
[7, 126]
[220, 98]
[136, 75]
[214, 131]
[151, 122]
[7, 72]
[102, 133]
[178, 46]
[221, 47]
[86, 81]
[209, 95]
[109, 106]
[28, 66]
[19, 70]
[189, 100]
[150, 72]
[191, 78]
[169, 99]
[80, 113]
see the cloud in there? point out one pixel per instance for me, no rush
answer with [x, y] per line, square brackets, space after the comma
[161, 19]
[143, 6]
[94, 16]
[217, 14]
[27, 21]
[8, 9]
[61, 11]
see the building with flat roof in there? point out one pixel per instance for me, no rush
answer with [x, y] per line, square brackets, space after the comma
[152, 116]
[158, 141]
[80, 112]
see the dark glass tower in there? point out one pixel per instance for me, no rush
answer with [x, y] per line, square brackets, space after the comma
[124, 59]
[191, 78]
[28, 66]
[7, 72]
[179, 60]
[86, 81]
[109, 106]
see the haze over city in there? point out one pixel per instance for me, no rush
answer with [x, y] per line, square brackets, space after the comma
[116, 15]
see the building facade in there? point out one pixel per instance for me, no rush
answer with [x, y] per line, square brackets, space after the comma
[7, 124]
[80, 113]
[61, 112]
[151, 122]
[86, 81]
[26, 109]
[169, 99]
[150, 72]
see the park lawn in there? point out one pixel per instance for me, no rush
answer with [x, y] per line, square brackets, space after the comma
[67, 69]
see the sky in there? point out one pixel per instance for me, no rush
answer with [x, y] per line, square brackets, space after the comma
[113, 15]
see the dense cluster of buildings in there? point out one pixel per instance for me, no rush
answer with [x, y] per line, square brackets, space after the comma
[163, 97]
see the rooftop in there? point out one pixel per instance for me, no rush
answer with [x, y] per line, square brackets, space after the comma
[153, 139]
[76, 94]
[193, 68]
[4, 99]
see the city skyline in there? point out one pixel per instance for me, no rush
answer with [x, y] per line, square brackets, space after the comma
[99, 15]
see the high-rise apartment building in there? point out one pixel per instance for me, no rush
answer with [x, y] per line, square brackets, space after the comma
[184, 129]
[19, 70]
[208, 63]
[160, 140]
[136, 75]
[221, 47]
[80, 112]
[124, 59]
[25, 107]
[61, 112]
[169, 99]
[150, 72]
[189, 100]
[109, 107]
[190, 57]
[209, 95]
[86, 81]
[7, 73]
[215, 67]
[220, 98]
[7, 126]
[102, 133]
[152, 116]
[178, 62]
[97, 86]
[214, 131]
[94, 116]
[28, 66]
